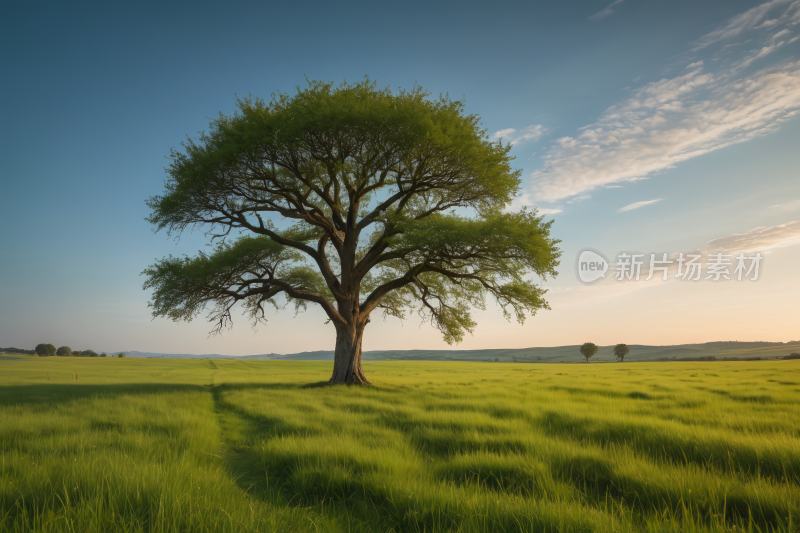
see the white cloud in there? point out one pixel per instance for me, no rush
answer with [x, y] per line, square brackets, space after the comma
[695, 64]
[758, 239]
[637, 205]
[605, 12]
[666, 122]
[753, 18]
[549, 210]
[784, 32]
[531, 133]
[504, 133]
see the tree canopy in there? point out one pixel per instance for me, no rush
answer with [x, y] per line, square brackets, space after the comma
[45, 350]
[64, 351]
[356, 199]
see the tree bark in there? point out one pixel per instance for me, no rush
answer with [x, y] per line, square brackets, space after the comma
[347, 357]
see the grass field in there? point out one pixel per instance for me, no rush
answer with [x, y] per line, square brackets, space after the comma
[200, 445]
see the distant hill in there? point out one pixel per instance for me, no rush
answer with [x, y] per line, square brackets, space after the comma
[566, 354]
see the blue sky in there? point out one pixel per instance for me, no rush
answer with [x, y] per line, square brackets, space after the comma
[689, 106]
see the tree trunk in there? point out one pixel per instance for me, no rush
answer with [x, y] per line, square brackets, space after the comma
[347, 357]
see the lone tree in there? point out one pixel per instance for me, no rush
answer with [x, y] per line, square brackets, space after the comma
[621, 350]
[355, 199]
[588, 349]
[45, 350]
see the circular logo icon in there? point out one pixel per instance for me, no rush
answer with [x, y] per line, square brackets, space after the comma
[591, 265]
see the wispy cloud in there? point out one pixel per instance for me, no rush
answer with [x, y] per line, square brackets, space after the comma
[674, 119]
[758, 239]
[754, 18]
[531, 133]
[772, 43]
[666, 122]
[579, 198]
[786, 207]
[605, 12]
[637, 205]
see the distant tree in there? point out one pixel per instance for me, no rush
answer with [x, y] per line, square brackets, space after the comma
[588, 349]
[45, 350]
[621, 350]
[17, 350]
[64, 351]
[121, 354]
[88, 353]
[103, 354]
[496, 359]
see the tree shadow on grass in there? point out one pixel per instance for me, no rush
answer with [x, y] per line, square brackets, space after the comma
[344, 484]
[44, 394]
[293, 480]
[319, 385]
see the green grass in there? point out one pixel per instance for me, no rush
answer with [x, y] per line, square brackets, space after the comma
[200, 445]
